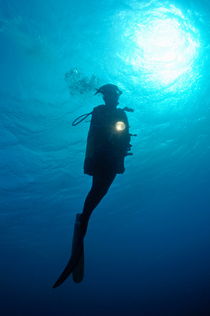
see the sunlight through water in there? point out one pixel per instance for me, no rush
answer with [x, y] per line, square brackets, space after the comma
[161, 46]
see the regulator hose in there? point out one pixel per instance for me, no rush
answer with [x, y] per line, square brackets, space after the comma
[80, 118]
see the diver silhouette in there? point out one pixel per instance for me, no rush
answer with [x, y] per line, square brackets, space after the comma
[108, 143]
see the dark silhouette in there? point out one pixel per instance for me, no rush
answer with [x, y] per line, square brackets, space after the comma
[107, 146]
[108, 143]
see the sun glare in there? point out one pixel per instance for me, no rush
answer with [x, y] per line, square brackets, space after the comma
[163, 45]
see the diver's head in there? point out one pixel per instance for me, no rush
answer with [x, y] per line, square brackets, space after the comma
[111, 94]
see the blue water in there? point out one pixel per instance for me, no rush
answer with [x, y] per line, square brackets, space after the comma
[147, 248]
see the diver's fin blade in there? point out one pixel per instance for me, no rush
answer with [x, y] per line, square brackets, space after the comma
[78, 272]
[64, 275]
[77, 250]
[69, 268]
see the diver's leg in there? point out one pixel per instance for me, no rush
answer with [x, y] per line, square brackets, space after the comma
[100, 187]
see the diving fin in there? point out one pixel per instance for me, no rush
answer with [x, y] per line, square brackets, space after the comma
[78, 272]
[76, 261]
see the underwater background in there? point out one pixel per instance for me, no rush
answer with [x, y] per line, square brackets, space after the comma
[147, 247]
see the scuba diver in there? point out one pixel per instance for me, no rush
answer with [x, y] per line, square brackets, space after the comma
[108, 143]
